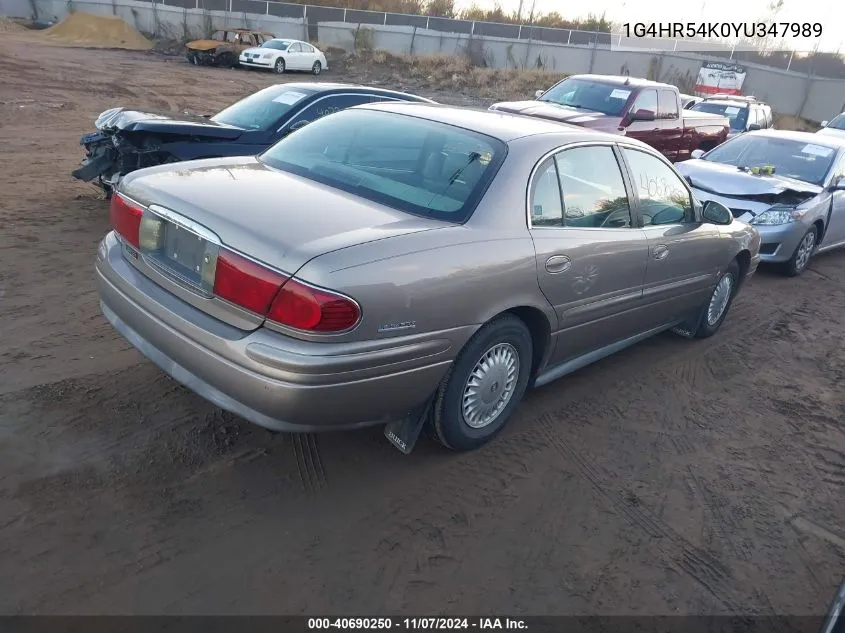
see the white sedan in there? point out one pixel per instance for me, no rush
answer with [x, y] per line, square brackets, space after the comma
[281, 55]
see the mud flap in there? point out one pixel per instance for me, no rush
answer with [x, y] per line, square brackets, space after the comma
[92, 169]
[404, 433]
[688, 328]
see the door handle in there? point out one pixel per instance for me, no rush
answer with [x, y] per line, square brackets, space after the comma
[660, 251]
[558, 264]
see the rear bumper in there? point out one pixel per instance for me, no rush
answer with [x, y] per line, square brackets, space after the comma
[270, 379]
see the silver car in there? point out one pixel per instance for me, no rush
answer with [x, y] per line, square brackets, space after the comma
[790, 186]
[399, 264]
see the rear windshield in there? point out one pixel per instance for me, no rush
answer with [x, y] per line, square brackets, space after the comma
[262, 110]
[411, 164]
[737, 115]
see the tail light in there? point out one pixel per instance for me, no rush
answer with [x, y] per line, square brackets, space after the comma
[126, 218]
[281, 299]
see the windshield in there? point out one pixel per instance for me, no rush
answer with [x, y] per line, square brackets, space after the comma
[809, 162]
[589, 95]
[277, 44]
[838, 122]
[737, 115]
[414, 165]
[262, 110]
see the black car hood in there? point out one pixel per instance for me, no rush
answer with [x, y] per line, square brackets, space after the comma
[125, 120]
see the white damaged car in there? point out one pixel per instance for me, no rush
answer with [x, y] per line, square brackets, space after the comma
[281, 55]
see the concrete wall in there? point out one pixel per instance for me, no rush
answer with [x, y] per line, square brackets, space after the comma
[788, 92]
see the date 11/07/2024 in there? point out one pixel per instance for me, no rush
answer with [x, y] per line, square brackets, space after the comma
[513, 624]
[683, 30]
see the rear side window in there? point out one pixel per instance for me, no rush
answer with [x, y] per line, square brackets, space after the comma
[411, 164]
[667, 105]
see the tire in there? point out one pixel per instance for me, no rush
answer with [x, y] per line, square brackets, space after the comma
[507, 338]
[709, 326]
[800, 259]
[279, 66]
[317, 68]
[192, 58]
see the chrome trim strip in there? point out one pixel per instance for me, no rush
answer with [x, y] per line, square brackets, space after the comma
[185, 223]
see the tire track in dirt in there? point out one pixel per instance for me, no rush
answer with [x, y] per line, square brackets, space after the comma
[675, 551]
[309, 463]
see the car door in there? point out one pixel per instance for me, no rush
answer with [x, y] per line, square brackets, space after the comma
[835, 231]
[293, 58]
[309, 56]
[685, 254]
[671, 126]
[646, 131]
[591, 257]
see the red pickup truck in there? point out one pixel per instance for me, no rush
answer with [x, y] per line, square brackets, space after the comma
[646, 110]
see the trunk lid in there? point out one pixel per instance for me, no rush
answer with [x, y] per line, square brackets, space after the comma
[275, 217]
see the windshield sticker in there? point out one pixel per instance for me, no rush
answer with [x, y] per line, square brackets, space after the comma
[620, 94]
[817, 150]
[289, 98]
[731, 110]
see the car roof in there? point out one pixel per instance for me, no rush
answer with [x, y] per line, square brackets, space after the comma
[731, 102]
[637, 82]
[316, 87]
[504, 126]
[801, 137]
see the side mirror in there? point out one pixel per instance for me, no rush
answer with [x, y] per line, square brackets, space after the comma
[716, 213]
[697, 153]
[643, 115]
[539, 94]
[753, 127]
[824, 123]
[298, 125]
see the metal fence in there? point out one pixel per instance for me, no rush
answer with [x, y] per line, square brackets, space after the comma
[829, 65]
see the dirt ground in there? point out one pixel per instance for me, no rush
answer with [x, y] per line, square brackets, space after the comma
[677, 477]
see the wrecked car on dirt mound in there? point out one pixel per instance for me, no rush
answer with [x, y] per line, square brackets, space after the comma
[224, 47]
[127, 140]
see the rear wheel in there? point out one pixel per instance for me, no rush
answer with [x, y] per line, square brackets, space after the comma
[193, 59]
[279, 66]
[486, 383]
[717, 307]
[317, 68]
[797, 264]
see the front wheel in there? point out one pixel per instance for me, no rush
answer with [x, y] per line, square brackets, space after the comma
[317, 68]
[485, 385]
[797, 264]
[279, 66]
[717, 306]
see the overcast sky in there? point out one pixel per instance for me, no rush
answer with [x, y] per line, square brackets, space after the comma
[830, 13]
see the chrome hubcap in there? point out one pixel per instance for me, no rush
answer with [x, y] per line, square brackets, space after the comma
[804, 250]
[719, 300]
[490, 385]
